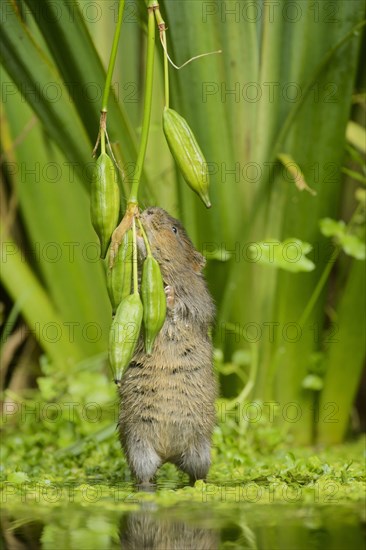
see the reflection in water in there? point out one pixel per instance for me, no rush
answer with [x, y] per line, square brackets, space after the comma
[20, 535]
[184, 527]
[142, 530]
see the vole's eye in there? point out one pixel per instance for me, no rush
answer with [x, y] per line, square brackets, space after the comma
[174, 229]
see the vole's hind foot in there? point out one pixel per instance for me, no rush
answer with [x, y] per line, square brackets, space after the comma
[192, 481]
[196, 462]
[143, 462]
[146, 487]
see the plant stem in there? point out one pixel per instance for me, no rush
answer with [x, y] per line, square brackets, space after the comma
[319, 287]
[102, 140]
[34, 303]
[148, 249]
[166, 72]
[161, 24]
[147, 103]
[326, 272]
[239, 399]
[307, 87]
[134, 257]
[113, 55]
[278, 146]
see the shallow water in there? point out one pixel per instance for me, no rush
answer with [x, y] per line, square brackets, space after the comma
[186, 527]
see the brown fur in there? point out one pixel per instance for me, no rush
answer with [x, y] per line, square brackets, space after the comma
[167, 398]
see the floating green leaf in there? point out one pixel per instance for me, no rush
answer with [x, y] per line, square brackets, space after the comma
[351, 244]
[332, 228]
[289, 255]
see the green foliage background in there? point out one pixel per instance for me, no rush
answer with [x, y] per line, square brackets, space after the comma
[283, 84]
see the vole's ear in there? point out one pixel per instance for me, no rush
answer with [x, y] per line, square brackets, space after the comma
[199, 261]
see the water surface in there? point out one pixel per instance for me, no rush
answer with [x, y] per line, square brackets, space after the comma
[184, 527]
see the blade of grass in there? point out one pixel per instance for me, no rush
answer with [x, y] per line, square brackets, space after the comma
[84, 69]
[322, 122]
[34, 303]
[345, 359]
[31, 71]
[61, 243]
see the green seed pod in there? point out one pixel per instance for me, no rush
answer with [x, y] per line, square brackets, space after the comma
[154, 300]
[104, 201]
[124, 334]
[120, 275]
[187, 153]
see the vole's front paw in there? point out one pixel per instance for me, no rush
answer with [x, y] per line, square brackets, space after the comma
[170, 296]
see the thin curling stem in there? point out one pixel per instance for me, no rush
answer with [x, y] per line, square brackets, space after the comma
[112, 59]
[179, 67]
[147, 103]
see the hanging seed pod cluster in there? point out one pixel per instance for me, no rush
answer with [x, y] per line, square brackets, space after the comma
[131, 314]
[138, 307]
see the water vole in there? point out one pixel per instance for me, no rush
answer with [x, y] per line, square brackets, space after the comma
[167, 398]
